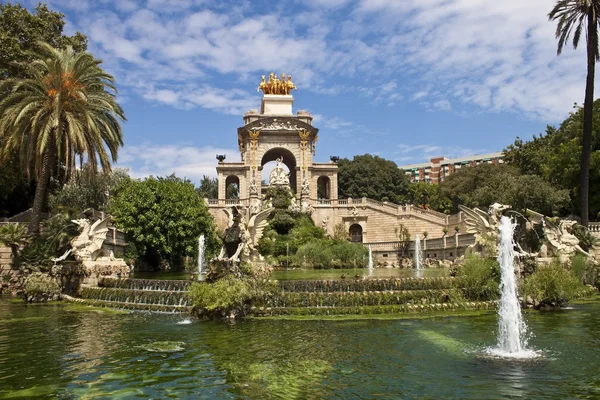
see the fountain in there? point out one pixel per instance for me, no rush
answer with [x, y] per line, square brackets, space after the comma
[512, 330]
[200, 257]
[370, 265]
[418, 253]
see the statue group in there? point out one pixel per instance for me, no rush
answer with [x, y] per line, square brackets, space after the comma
[277, 86]
[278, 175]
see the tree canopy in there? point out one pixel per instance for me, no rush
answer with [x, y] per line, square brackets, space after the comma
[163, 217]
[577, 17]
[484, 184]
[66, 108]
[20, 30]
[373, 177]
[87, 188]
[555, 157]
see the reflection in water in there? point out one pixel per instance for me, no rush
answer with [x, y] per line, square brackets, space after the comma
[47, 352]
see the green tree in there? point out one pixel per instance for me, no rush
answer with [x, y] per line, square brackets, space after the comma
[163, 217]
[87, 188]
[372, 177]
[485, 184]
[62, 111]
[427, 195]
[14, 236]
[209, 188]
[556, 157]
[20, 30]
[583, 16]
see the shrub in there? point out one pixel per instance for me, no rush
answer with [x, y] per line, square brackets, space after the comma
[40, 287]
[480, 278]
[551, 285]
[229, 297]
[587, 240]
[586, 271]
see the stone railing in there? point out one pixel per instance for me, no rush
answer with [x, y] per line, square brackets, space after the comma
[594, 227]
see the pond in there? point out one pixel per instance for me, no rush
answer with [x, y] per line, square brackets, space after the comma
[54, 351]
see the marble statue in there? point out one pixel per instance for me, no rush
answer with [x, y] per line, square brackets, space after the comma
[87, 246]
[240, 238]
[278, 175]
[558, 241]
[253, 188]
[305, 186]
[484, 225]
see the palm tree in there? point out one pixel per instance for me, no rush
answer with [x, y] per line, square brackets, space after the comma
[581, 15]
[66, 108]
[14, 236]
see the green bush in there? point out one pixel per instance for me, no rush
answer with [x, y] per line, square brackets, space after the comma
[326, 253]
[587, 271]
[587, 240]
[53, 241]
[229, 297]
[40, 287]
[552, 285]
[480, 278]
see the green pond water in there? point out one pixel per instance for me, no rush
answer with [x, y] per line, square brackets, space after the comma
[47, 351]
[314, 274]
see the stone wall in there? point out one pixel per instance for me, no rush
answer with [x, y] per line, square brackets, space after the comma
[378, 220]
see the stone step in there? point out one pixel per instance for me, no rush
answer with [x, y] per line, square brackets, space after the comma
[373, 310]
[369, 284]
[145, 284]
[158, 297]
[128, 306]
[359, 299]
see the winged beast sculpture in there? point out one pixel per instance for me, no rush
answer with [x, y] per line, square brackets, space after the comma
[558, 241]
[484, 225]
[241, 239]
[87, 246]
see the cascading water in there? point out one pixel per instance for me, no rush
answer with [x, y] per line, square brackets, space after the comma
[418, 253]
[512, 330]
[200, 257]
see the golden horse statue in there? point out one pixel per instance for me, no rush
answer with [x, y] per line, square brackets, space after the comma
[277, 86]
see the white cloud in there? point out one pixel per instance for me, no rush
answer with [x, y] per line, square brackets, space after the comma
[418, 153]
[497, 56]
[162, 160]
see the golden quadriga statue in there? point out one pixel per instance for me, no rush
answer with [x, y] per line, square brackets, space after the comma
[277, 86]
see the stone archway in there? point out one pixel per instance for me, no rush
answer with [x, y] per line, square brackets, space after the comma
[288, 159]
[324, 188]
[356, 233]
[232, 187]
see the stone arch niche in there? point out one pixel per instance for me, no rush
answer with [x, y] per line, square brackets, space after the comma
[323, 187]
[356, 233]
[232, 180]
[289, 160]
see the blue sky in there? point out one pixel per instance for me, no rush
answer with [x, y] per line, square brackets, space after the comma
[403, 79]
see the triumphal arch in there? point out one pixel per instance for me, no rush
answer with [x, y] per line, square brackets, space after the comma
[276, 133]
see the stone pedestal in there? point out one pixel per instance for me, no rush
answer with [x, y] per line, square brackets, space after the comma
[277, 104]
[103, 268]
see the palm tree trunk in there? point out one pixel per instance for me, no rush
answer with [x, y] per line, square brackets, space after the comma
[42, 188]
[584, 182]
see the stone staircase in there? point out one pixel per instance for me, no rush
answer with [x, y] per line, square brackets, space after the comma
[368, 296]
[315, 297]
[137, 294]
